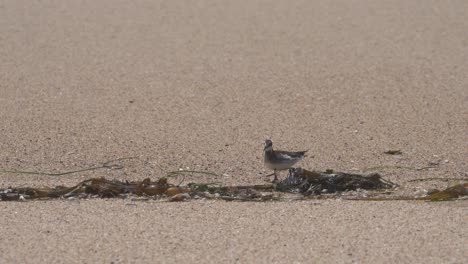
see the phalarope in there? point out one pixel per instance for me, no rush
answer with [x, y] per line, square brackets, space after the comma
[280, 160]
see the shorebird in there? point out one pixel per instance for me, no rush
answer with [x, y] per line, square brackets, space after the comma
[280, 160]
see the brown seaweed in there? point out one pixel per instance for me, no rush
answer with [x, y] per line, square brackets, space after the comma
[451, 193]
[302, 183]
[393, 152]
[312, 182]
[100, 187]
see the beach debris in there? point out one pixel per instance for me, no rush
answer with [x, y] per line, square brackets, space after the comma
[299, 181]
[172, 191]
[179, 197]
[99, 187]
[110, 165]
[300, 184]
[252, 193]
[439, 179]
[451, 193]
[393, 152]
[103, 188]
[459, 191]
[312, 182]
[398, 167]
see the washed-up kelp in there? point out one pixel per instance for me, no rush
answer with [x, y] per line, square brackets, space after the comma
[305, 184]
[96, 186]
[451, 193]
[312, 182]
[306, 181]
[257, 193]
[101, 187]
[316, 183]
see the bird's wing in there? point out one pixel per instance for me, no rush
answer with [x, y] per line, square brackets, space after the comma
[291, 155]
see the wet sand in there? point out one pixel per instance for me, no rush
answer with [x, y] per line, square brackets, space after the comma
[199, 86]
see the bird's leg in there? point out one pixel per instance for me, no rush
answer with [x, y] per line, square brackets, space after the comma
[275, 179]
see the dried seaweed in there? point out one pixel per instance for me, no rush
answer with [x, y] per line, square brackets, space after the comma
[106, 165]
[100, 187]
[439, 179]
[179, 172]
[312, 182]
[252, 193]
[393, 152]
[394, 167]
[449, 194]
[302, 183]
[97, 186]
[308, 183]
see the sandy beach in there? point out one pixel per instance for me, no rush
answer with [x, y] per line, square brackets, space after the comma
[199, 85]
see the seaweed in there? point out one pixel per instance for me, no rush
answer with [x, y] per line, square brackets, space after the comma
[306, 182]
[100, 187]
[312, 182]
[439, 179]
[300, 184]
[106, 165]
[451, 193]
[393, 152]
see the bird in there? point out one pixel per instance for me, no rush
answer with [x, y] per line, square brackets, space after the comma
[279, 159]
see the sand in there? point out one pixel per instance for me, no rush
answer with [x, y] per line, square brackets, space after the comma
[200, 85]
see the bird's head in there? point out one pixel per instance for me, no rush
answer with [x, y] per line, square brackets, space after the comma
[268, 145]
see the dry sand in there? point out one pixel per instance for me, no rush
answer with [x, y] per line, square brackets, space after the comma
[201, 84]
